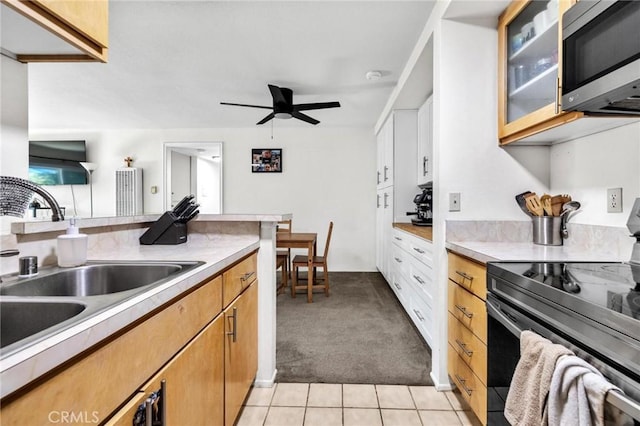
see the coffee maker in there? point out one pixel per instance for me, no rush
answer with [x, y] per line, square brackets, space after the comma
[424, 206]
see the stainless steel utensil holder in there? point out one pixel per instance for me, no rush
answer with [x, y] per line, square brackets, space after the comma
[547, 230]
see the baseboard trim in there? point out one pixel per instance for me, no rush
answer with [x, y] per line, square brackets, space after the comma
[440, 387]
[266, 383]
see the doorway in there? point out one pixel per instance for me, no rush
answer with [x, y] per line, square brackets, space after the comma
[194, 168]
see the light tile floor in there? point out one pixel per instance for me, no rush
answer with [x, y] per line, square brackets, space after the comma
[311, 404]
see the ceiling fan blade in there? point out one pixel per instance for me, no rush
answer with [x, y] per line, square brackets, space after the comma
[319, 105]
[304, 117]
[267, 118]
[245, 105]
[277, 95]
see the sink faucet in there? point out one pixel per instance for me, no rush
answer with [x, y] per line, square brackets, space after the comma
[15, 194]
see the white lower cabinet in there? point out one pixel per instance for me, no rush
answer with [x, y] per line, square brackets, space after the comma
[412, 279]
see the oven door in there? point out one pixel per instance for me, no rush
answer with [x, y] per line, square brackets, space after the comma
[505, 323]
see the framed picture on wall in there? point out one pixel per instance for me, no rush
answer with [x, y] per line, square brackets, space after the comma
[266, 160]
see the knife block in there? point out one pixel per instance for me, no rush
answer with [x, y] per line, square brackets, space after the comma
[165, 231]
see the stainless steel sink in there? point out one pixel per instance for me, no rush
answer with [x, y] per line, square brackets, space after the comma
[92, 280]
[21, 319]
[35, 308]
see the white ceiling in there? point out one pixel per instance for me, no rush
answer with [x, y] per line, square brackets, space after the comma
[171, 63]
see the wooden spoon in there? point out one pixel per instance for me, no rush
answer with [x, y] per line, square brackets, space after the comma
[556, 204]
[545, 200]
[533, 204]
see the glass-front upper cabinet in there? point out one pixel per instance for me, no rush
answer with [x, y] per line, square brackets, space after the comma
[528, 87]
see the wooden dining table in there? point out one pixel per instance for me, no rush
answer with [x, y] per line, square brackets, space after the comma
[300, 240]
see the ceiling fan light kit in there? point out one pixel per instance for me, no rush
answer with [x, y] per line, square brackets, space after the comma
[283, 106]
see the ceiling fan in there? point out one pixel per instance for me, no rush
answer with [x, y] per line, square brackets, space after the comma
[283, 106]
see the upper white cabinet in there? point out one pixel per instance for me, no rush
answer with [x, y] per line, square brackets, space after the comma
[55, 30]
[424, 166]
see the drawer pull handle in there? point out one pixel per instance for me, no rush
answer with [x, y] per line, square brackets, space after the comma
[420, 280]
[465, 276]
[463, 346]
[397, 286]
[418, 250]
[398, 260]
[462, 384]
[246, 276]
[398, 238]
[464, 311]
[420, 317]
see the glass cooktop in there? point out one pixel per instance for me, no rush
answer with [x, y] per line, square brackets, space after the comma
[609, 285]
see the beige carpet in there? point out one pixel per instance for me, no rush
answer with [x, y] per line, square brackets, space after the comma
[360, 334]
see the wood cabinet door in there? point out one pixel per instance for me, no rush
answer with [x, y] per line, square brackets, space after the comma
[240, 350]
[529, 69]
[194, 383]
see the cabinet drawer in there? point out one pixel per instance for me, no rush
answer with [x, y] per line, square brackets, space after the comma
[422, 316]
[468, 274]
[401, 289]
[421, 276]
[471, 388]
[469, 310]
[236, 279]
[472, 351]
[421, 250]
[400, 238]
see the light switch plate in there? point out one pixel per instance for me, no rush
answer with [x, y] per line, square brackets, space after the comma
[454, 201]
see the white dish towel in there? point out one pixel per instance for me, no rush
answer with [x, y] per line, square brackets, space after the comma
[577, 394]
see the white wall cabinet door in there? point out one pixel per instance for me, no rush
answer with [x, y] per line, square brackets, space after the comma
[425, 142]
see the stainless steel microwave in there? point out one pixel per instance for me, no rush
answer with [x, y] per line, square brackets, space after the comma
[601, 57]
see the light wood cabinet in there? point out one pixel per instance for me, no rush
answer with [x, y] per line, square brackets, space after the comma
[240, 356]
[84, 25]
[193, 389]
[529, 69]
[467, 331]
[185, 343]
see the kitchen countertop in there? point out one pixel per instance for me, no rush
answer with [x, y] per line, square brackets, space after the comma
[484, 252]
[425, 232]
[21, 367]
[39, 226]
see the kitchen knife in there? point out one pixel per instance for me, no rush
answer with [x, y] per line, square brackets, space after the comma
[191, 216]
[179, 208]
[190, 209]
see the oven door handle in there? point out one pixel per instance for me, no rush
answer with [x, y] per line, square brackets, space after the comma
[494, 311]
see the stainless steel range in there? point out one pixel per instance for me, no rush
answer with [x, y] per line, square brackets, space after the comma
[592, 308]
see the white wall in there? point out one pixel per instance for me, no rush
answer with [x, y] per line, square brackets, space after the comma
[587, 167]
[328, 174]
[14, 124]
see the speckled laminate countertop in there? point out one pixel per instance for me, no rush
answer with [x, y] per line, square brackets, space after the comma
[27, 364]
[494, 251]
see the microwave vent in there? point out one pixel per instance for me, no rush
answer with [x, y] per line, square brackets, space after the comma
[630, 104]
[129, 191]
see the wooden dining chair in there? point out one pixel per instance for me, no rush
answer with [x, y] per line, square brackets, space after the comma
[283, 256]
[282, 261]
[302, 261]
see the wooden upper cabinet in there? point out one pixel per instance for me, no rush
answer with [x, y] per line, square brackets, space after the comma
[529, 69]
[83, 25]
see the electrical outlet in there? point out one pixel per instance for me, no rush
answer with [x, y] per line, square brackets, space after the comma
[454, 201]
[614, 200]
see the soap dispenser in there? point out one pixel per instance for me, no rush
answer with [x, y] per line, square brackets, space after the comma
[72, 247]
